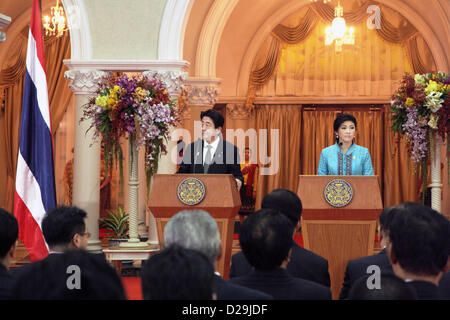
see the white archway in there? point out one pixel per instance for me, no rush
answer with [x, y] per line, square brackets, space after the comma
[80, 34]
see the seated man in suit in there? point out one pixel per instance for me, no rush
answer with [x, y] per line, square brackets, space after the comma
[266, 240]
[357, 268]
[9, 232]
[418, 247]
[69, 275]
[303, 263]
[65, 228]
[177, 273]
[197, 230]
[212, 154]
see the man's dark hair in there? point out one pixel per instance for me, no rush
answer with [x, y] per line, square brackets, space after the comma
[266, 238]
[385, 220]
[341, 118]
[285, 201]
[55, 278]
[177, 273]
[9, 232]
[419, 238]
[215, 116]
[62, 223]
[391, 288]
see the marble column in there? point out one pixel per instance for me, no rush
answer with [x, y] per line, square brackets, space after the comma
[86, 167]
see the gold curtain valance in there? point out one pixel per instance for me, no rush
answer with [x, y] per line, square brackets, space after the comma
[405, 34]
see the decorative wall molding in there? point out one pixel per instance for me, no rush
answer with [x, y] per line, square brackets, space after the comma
[128, 65]
[238, 111]
[202, 91]
[174, 80]
[85, 81]
[4, 21]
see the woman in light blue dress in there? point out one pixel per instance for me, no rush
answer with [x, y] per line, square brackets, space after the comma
[345, 157]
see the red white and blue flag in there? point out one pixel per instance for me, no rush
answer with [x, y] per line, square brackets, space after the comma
[35, 181]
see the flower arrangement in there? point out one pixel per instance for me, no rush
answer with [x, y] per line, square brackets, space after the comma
[138, 108]
[419, 108]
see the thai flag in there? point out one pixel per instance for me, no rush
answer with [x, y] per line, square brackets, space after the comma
[35, 181]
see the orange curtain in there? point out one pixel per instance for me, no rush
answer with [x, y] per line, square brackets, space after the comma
[286, 120]
[400, 180]
[12, 83]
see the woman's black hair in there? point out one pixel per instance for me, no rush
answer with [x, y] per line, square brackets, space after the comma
[340, 119]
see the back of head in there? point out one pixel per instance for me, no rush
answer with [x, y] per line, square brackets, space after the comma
[9, 232]
[266, 238]
[285, 201]
[390, 287]
[385, 219]
[419, 239]
[61, 224]
[72, 275]
[177, 273]
[194, 229]
[215, 116]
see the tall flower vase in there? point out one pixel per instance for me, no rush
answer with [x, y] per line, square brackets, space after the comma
[133, 193]
[436, 184]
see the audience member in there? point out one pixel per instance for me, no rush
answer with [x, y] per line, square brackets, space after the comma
[390, 287]
[418, 249]
[357, 268]
[9, 232]
[178, 273]
[69, 275]
[64, 228]
[444, 283]
[197, 230]
[303, 263]
[266, 241]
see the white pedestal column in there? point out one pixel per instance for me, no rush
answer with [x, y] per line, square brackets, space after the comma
[86, 167]
[436, 185]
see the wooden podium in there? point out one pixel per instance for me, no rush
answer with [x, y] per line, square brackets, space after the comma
[221, 200]
[339, 234]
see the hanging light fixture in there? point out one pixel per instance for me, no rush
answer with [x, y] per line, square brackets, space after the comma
[324, 1]
[56, 24]
[338, 31]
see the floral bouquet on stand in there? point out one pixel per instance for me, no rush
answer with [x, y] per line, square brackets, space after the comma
[138, 108]
[419, 109]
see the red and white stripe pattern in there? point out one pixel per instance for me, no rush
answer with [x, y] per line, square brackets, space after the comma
[35, 183]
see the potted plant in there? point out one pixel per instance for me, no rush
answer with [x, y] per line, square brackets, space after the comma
[116, 225]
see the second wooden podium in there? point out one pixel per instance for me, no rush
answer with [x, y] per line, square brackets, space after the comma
[220, 199]
[342, 233]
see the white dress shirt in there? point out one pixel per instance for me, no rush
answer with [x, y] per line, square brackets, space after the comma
[213, 145]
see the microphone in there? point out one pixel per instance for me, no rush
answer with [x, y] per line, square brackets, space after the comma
[340, 144]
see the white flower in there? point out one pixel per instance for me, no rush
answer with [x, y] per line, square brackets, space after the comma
[434, 101]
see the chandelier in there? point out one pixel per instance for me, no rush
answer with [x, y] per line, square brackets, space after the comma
[56, 24]
[338, 31]
[324, 1]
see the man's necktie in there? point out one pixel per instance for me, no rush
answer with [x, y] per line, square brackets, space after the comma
[208, 159]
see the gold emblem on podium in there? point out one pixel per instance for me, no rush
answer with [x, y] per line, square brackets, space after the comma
[191, 191]
[338, 193]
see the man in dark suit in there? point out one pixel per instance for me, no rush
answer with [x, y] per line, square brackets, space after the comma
[303, 263]
[197, 230]
[212, 154]
[357, 268]
[9, 232]
[418, 247]
[266, 240]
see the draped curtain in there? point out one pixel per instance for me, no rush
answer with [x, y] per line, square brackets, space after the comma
[11, 88]
[305, 132]
[286, 121]
[395, 48]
